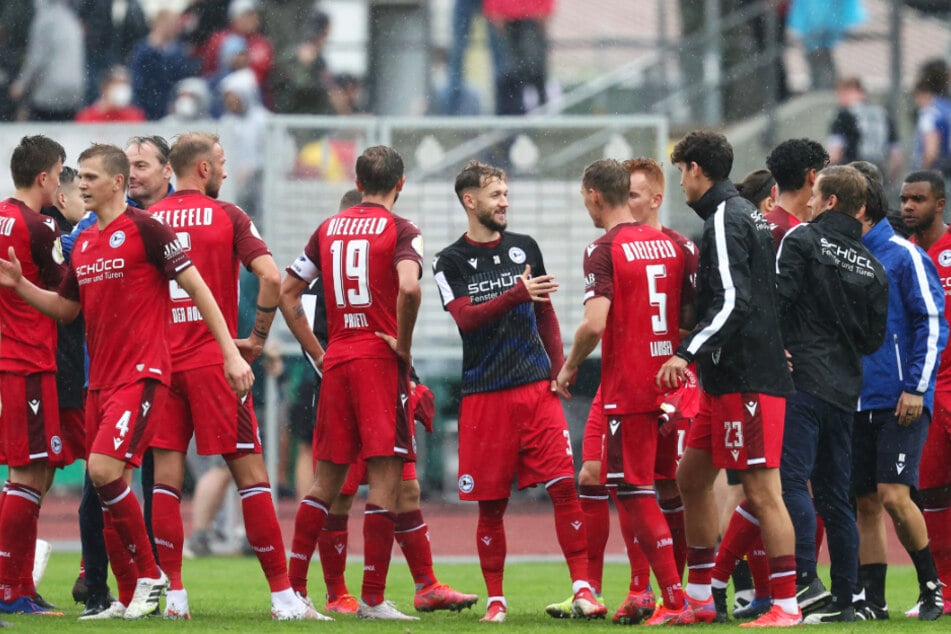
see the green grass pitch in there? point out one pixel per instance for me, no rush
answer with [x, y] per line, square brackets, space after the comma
[230, 595]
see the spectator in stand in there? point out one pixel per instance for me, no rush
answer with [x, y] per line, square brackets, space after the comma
[302, 82]
[246, 23]
[200, 20]
[244, 121]
[114, 104]
[157, 63]
[863, 131]
[51, 80]
[458, 101]
[524, 59]
[111, 29]
[933, 127]
[821, 25]
[192, 102]
[15, 19]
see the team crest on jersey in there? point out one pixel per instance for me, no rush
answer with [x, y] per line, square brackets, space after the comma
[517, 255]
[944, 258]
[56, 445]
[117, 239]
[466, 483]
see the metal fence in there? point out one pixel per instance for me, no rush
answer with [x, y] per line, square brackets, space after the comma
[310, 166]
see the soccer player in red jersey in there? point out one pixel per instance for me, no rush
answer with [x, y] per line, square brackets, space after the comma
[369, 261]
[739, 353]
[493, 283]
[218, 237]
[644, 200]
[31, 442]
[794, 164]
[631, 267]
[923, 199]
[118, 276]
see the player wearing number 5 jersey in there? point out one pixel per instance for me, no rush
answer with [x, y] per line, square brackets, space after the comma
[634, 277]
[495, 286]
[369, 261]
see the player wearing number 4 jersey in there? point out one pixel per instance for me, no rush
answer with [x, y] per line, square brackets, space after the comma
[494, 285]
[119, 275]
[369, 261]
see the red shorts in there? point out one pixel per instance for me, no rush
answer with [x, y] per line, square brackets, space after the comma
[519, 431]
[670, 447]
[72, 422]
[630, 446]
[200, 403]
[933, 471]
[363, 412]
[357, 475]
[118, 421]
[29, 420]
[740, 430]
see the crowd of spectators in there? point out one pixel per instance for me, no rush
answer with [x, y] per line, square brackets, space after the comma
[106, 61]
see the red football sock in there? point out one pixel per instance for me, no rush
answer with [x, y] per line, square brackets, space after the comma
[412, 534]
[938, 521]
[490, 542]
[264, 534]
[640, 567]
[21, 510]
[120, 560]
[593, 499]
[758, 562]
[782, 579]
[741, 532]
[311, 515]
[700, 563]
[378, 527]
[168, 531]
[820, 531]
[129, 525]
[673, 509]
[654, 537]
[332, 546]
[569, 527]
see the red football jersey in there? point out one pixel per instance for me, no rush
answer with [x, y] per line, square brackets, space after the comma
[217, 237]
[120, 277]
[641, 271]
[940, 254]
[355, 254]
[780, 221]
[29, 337]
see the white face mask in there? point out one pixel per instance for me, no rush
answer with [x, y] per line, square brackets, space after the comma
[120, 95]
[186, 107]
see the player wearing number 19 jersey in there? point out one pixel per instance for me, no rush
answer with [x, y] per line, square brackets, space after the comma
[495, 286]
[369, 262]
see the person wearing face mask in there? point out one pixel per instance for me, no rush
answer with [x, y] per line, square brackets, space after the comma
[192, 101]
[115, 101]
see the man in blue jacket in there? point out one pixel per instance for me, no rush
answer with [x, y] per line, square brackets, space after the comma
[894, 414]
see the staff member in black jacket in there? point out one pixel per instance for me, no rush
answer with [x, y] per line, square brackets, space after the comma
[743, 370]
[833, 305]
